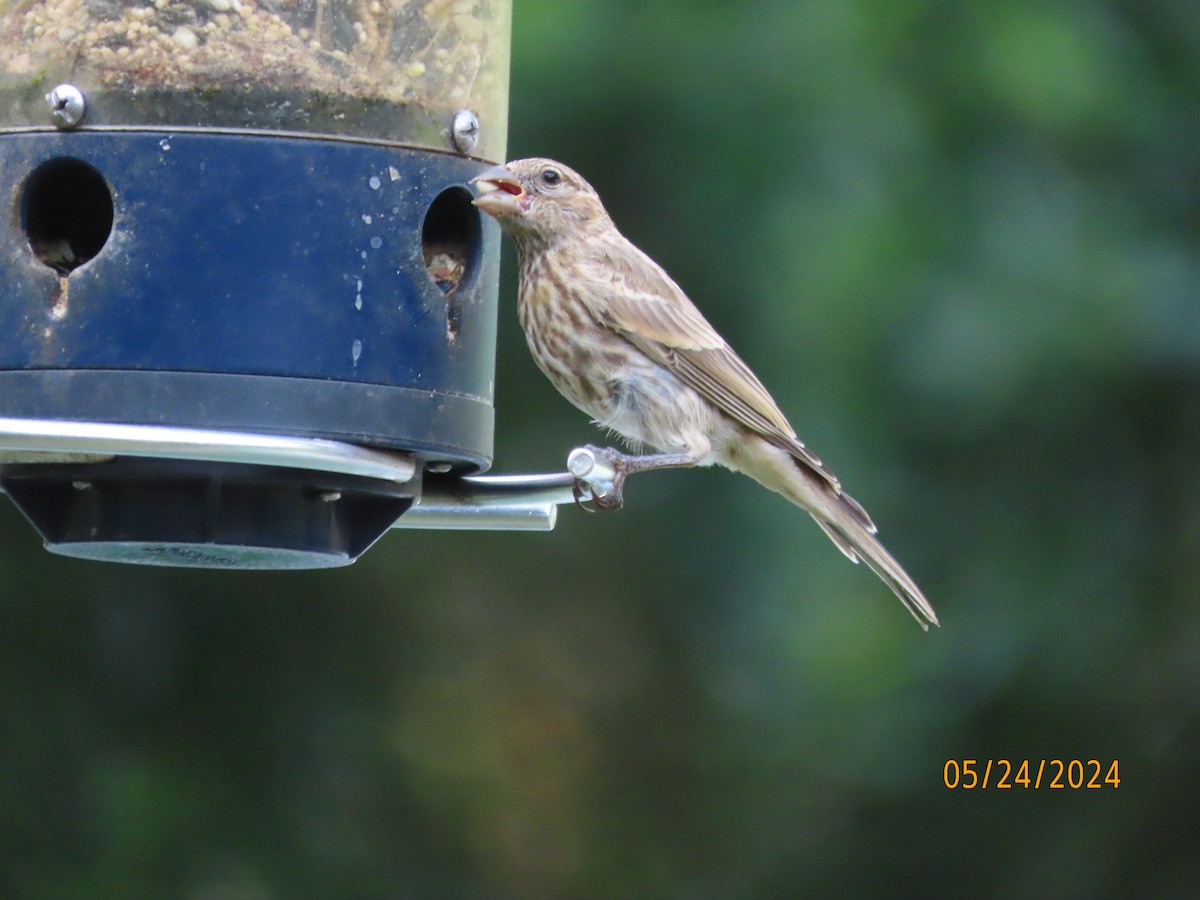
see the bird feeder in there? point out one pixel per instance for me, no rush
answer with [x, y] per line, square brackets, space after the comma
[247, 310]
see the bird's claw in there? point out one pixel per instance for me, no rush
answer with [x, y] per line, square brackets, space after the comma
[588, 500]
[584, 495]
[610, 501]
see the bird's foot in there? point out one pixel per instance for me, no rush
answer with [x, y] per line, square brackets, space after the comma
[599, 477]
[588, 500]
[600, 472]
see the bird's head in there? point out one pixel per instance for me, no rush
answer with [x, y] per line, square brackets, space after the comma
[538, 199]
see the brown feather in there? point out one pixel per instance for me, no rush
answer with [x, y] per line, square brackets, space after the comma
[641, 302]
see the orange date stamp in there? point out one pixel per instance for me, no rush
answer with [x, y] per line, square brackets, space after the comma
[1026, 774]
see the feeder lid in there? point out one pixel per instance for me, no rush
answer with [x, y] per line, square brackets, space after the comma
[397, 72]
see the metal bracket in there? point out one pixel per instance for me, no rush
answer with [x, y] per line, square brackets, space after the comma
[480, 502]
[507, 502]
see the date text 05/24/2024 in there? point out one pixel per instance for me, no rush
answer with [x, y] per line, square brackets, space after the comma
[1053, 774]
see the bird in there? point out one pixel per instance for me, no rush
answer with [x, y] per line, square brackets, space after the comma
[621, 341]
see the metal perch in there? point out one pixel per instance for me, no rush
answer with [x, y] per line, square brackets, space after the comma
[481, 502]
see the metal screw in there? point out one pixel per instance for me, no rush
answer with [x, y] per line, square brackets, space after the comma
[464, 131]
[66, 105]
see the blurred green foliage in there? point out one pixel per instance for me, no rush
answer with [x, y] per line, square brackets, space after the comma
[959, 242]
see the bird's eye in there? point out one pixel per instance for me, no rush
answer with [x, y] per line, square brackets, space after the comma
[551, 177]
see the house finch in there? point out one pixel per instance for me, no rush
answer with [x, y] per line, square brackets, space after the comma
[621, 341]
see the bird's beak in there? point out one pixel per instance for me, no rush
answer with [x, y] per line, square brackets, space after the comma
[500, 193]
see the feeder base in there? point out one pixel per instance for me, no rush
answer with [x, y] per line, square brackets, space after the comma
[177, 513]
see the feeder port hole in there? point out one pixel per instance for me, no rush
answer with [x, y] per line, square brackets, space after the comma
[66, 211]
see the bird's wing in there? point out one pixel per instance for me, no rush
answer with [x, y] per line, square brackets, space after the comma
[648, 309]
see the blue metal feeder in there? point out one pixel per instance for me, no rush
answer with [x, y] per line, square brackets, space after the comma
[247, 310]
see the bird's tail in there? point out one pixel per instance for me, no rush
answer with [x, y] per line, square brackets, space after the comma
[839, 515]
[857, 542]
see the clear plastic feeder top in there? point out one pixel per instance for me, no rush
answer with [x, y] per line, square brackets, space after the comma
[391, 70]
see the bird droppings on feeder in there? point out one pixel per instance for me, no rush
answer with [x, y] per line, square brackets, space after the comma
[58, 311]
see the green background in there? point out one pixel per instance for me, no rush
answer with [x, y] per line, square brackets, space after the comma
[959, 243]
